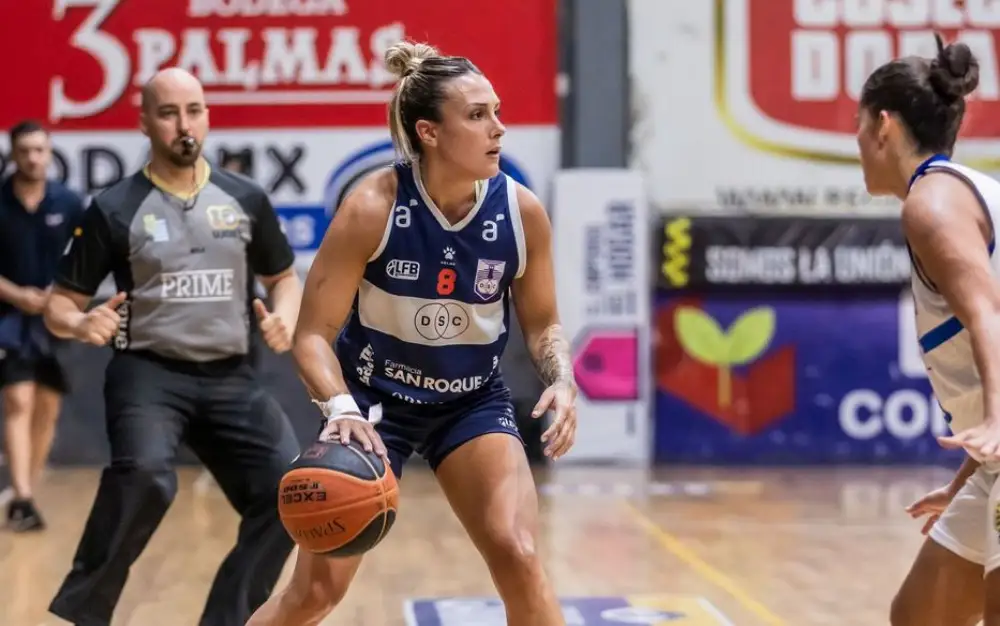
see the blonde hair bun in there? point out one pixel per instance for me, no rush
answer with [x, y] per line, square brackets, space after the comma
[404, 58]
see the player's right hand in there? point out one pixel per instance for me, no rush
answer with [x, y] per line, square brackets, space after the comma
[344, 428]
[981, 442]
[933, 505]
[101, 323]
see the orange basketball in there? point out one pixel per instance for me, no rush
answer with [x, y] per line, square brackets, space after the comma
[338, 500]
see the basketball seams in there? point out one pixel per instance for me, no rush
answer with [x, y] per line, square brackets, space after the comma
[381, 487]
[328, 470]
[378, 481]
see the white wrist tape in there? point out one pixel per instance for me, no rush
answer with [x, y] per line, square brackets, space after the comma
[343, 407]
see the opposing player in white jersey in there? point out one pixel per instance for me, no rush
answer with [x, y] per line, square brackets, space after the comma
[429, 252]
[910, 113]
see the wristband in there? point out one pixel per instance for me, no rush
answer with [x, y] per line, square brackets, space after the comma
[343, 406]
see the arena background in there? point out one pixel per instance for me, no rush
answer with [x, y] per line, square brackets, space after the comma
[734, 295]
[667, 90]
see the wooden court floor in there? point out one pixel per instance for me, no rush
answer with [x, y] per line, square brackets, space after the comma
[684, 547]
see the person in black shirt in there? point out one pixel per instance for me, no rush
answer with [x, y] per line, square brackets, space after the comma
[37, 217]
[185, 244]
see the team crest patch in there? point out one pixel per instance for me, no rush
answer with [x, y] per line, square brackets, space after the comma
[488, 275]
[223, 217]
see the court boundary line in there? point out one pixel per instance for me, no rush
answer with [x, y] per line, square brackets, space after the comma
[716, 611]
[678, 549]
[410, 615]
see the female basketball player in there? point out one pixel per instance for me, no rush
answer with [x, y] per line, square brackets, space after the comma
[432, 247]
[910, 113]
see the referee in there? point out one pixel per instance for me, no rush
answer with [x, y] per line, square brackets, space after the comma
[185, 244]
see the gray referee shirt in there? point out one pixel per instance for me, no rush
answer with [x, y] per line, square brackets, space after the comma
[187, 264]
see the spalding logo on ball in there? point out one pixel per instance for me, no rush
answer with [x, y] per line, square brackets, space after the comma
[338, 500]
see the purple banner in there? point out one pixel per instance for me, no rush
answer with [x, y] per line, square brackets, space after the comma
[784, 380]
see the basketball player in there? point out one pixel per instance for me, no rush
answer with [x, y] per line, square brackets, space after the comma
[37, 217]
[185, 243]
[910, 113]
[430, 252]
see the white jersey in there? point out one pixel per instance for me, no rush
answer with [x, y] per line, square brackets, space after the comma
[945, 344]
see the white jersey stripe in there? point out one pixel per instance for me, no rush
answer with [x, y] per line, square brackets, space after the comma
[425, 322]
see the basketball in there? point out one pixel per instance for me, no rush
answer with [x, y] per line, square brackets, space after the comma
[338, 500]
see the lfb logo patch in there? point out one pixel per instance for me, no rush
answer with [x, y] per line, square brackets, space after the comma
[488, 275]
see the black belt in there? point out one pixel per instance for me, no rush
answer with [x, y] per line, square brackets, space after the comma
[216, 367]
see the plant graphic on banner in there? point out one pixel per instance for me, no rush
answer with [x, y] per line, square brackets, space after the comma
[730, 371]
[703, 338]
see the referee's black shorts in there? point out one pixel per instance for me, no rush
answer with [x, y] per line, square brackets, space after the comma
[240, 433]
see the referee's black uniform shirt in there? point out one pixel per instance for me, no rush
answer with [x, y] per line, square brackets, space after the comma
[182, 370]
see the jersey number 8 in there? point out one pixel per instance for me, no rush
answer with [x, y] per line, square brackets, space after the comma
[446, 281]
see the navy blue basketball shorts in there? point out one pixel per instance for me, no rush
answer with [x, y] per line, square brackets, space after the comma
[46, 371]
[435, 430]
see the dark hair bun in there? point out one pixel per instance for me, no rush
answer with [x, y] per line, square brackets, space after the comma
[954, 74]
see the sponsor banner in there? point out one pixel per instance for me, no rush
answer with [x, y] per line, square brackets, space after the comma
[726, 253]
[584, 611]
[600, 241]
[297, 88]
[264, 63]
[755, 107]
[780, 380]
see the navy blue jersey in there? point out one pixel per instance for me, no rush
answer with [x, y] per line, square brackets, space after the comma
[31, 244]
[432, 314]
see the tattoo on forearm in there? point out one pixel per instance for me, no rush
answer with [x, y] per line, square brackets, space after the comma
[551, 356]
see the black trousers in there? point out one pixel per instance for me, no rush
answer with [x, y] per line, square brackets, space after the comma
[242, 437]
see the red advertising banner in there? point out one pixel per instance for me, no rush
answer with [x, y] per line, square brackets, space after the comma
[808, 59]
[264, 63]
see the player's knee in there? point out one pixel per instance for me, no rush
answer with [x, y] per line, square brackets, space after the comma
[17, 403]
[511, 548]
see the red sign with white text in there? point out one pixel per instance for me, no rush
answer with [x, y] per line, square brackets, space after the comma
[791, 71]
[810, 58]
[264, 63]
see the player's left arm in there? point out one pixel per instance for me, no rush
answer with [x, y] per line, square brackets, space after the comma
[538, 315]
[949, 232]
[272, 260]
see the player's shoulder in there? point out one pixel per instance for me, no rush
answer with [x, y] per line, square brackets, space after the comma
[527, 200]
[124, 196]
[372, 198]
[360, 221]
[242, 188]
[534, 217]
[936, 200]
